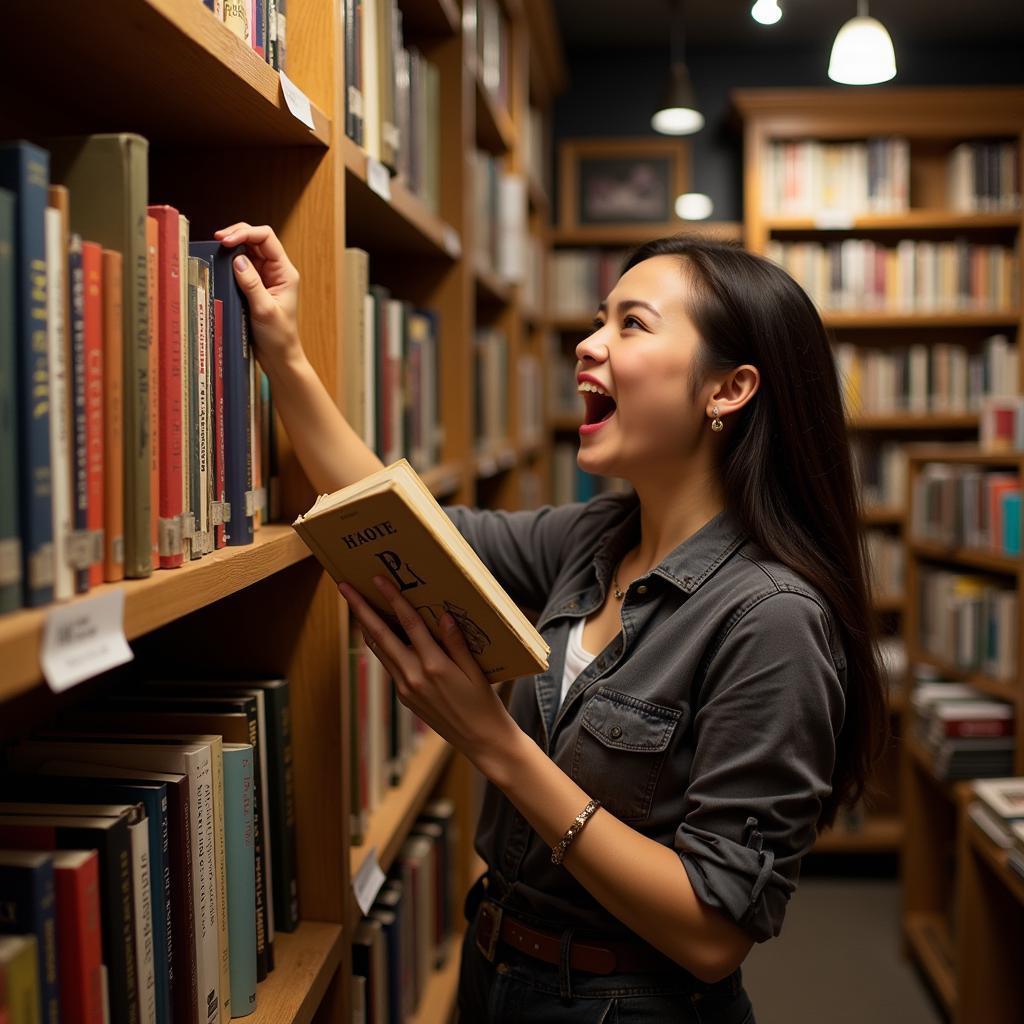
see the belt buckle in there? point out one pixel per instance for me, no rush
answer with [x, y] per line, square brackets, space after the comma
[491, 913]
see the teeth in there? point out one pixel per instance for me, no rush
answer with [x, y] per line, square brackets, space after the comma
[587, 385]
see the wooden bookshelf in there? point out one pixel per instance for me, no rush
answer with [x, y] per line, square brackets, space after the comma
[909, 222]
[437, 1003]
[879, 834]
[914, 421]
[929, 937]
[874, 319]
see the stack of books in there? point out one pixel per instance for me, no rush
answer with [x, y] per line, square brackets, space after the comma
[149, 846]
[140, 435]
[408, 933]
[984, 177]
[262, 24]
[966, 734]
[998, 807]
[581, 278]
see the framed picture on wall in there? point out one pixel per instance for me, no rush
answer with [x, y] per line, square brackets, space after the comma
[622, 182]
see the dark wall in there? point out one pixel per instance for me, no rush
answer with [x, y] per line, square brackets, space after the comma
[615, 93]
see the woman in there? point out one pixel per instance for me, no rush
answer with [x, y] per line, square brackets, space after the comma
[713, 682]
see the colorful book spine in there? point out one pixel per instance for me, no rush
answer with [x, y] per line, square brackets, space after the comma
[10, 539]
[19, 962]
[218, 418]
[183, 375]
[155, 323]
[239, 796]
[25, 170]
[81, 552]
[92, 266]
[77, 882]
[113, 419]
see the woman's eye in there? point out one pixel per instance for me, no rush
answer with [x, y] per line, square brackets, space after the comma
[631, 322]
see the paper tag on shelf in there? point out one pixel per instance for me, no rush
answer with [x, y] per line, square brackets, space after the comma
[378, 178]
[297, 100]
[836, 219]
[452, 242]
[81, 640]
[369, 878]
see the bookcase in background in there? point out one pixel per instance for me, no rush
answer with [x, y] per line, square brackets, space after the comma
[225, 146]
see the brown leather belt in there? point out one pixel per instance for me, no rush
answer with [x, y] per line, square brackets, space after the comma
[604, 958]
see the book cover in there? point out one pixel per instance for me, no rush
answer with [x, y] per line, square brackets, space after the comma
[241, 871]
[389, 524]
[30, 907]
[108, 177]
[220, 538]
[25, 171]
[92, 269]
[80, 553]
[237, 357]
[190, 412]
[113, 418]
[19, 963]
[10, 539]
[155, 324]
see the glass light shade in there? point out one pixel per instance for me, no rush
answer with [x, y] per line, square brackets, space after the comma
[766, 12]
[677, 114]
[862, 53]
[694, 206]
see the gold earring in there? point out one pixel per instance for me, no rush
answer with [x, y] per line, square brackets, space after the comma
[716, 423]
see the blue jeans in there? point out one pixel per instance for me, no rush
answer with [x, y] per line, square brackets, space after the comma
[520, 989]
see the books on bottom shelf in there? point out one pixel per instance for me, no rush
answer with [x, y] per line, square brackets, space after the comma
[965, 734]
[160, 823]
[408, 932]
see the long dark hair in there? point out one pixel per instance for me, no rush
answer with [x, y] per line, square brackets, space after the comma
[786, 465]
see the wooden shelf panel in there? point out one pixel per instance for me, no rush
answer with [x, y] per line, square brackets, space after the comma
[914, 421]
[930, 941]
[494, 129]
[878, 515]
[881, 834]
[632, 235]
[961, 454]
[1002, 689]
[491, 289]
[872, 318]
[437, 1003]
[153, 602]
[970, 558]
[304, 963]
[166, 68]
[498, 460]
[390, 822]
[910, 220]
[996, 859]
[402, 223]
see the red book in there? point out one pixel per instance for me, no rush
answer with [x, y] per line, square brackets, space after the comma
[997, 486]
[77, 882]
[168, 390]
[153, 292]
[92, 268]
[113, 418]
[218, 414]
[979, 727]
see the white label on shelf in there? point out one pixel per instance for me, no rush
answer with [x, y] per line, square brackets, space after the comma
[378, 178]
[297, 100]
[82, 639]
[452, 242]
[369, 878]
[836, 219]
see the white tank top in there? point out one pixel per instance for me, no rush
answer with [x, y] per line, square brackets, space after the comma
[577, 658]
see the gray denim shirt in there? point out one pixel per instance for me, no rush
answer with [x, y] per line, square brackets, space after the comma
[708, 723]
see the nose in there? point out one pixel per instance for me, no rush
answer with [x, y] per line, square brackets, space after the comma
[593, 347]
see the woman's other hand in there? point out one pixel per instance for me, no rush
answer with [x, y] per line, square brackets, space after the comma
[271, 285]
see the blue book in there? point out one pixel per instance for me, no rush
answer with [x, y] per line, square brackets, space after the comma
[1011, 523]
[237, 359]
[240, 858]
[10, 543]
[25, 170]
[29, 904]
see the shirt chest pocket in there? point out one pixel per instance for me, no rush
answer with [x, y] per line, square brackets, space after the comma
[620, 750]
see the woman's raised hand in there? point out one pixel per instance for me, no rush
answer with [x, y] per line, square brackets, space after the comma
[271, 286]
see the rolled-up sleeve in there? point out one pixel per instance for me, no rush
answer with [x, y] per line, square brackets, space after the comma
[523, 550]
[769, 714]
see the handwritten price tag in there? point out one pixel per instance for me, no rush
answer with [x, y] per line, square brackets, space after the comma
[82, 639]
[378, 178]
[297, 100]
[369, 878]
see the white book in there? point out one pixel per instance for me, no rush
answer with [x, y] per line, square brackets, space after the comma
[371, 77]
[1004, 797]
[61, 442]
[185, 445]
[142, 902]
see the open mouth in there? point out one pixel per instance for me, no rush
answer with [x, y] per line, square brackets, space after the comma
[597, 408]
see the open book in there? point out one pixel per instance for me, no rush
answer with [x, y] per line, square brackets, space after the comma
[388, 524]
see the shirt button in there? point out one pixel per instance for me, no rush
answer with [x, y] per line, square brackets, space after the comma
[571, 604]
[642, 589]
[615, 732]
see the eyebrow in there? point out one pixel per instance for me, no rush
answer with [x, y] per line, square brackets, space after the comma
[627, 304]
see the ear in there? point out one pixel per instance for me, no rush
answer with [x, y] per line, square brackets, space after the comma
[736, 389]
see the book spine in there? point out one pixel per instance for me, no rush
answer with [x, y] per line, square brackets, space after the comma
[82, 555]
[259, 36]
[24, 169]
[220, 878]
[183, 378]
[191, 417]
[168, 390]
[92, 264]
[201, 376]
[282, 35]
[184, 969]
[155, 326]
[10, 539]
[241, 876]
[79, 942]
[237, 17]
[142, 915]
[113, 427]
[218, 416]
[23, 998]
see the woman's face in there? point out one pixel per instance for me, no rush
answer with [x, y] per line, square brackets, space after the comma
[641, 354]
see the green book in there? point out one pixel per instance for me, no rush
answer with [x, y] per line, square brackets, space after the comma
[239, 853]
[19, 962]
[10, 541]
[108, 176]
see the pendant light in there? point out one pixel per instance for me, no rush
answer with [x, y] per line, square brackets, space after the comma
[766, 12]
[677, 114]
[862, 53]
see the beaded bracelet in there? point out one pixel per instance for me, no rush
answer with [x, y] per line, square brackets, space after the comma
[558, 850]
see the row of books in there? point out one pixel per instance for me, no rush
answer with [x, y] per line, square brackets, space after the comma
[967, 506]
[494, 50]
[180, 796]
[911, 276]
[408, 933]
[940, 377]
[965, 734]
[392, 369]
[581, 278]
[383, 735]
[500, 237]
[537, 156]
[531, 399]
[968, 622]
[886, 563]
[998, 810]
[136, 431]
[534, 282]
[262, 24]
[807, 176]
[392, 97]
[492, 372]
[984, 177]
[881, 471]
